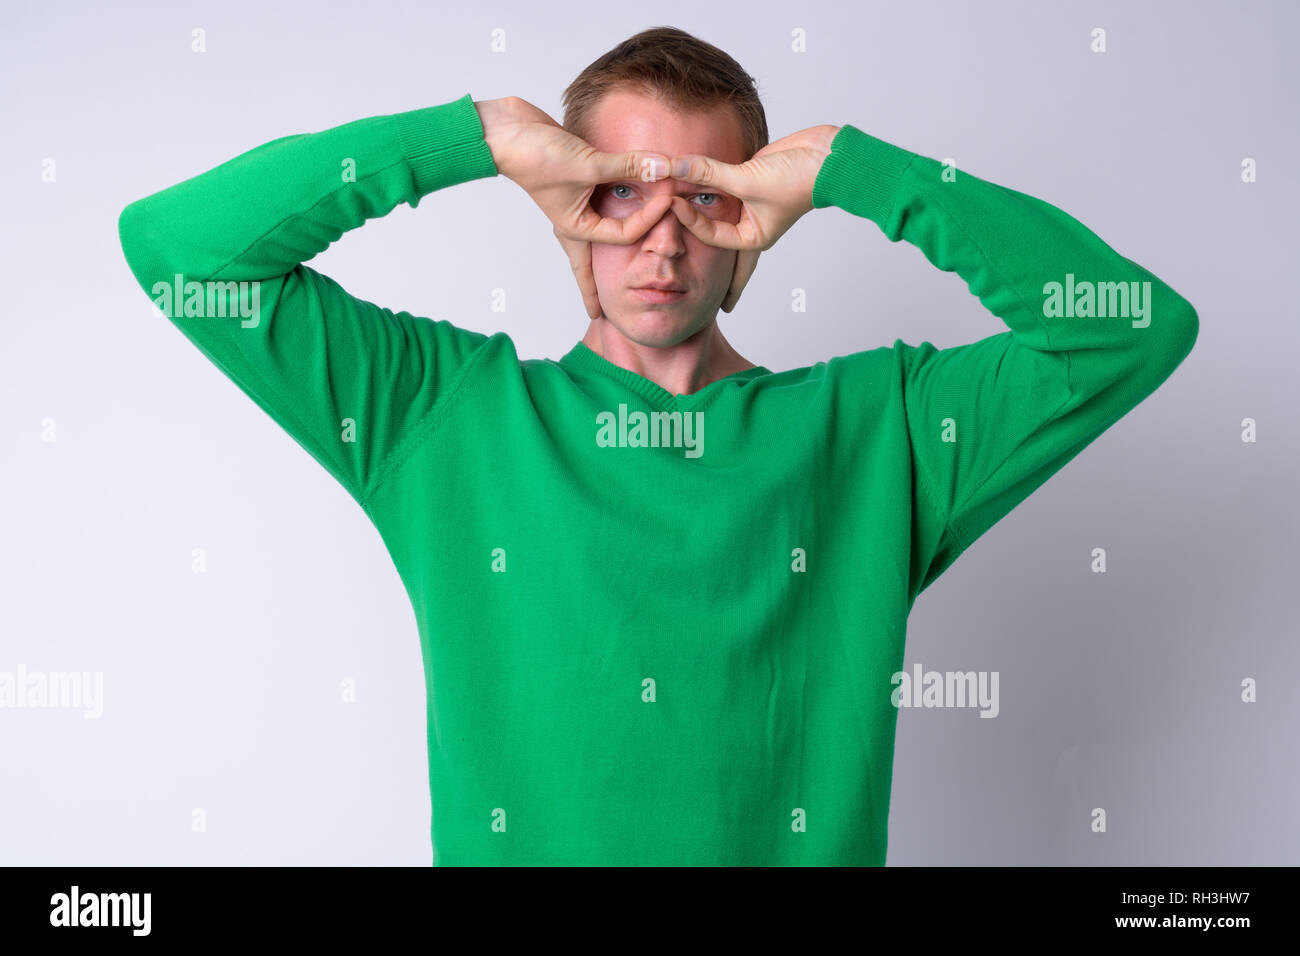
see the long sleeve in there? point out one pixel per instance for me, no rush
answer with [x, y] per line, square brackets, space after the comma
[221, 254]
[1091, 334]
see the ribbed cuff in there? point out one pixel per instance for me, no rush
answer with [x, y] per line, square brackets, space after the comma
[444, 145]
[861, 175]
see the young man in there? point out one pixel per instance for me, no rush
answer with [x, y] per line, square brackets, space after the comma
[661, 591]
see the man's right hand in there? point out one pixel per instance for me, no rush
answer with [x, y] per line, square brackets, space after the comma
[560, 172]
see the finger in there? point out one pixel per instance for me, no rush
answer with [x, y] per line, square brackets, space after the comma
[715, 232]
[707, 171]
[579, 254]
[592, 227]
[746, 262]
[647, 167]
[587, 281]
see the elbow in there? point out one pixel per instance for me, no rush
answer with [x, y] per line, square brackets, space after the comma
[1188, 326]
[1174, 340]
[142, 247]
[133, 230]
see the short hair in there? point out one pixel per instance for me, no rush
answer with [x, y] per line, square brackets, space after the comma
[682, 71]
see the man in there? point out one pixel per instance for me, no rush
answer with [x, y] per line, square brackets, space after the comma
[661, 591]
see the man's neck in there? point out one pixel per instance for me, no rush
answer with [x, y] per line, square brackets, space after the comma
[680, 369]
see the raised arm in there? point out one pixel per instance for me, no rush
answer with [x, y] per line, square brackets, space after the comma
[1091, 333]
[221, 254]
[347, 379]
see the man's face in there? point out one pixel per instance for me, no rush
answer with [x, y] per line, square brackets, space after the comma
[668, 252]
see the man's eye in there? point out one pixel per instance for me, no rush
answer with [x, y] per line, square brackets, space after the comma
[715, 199]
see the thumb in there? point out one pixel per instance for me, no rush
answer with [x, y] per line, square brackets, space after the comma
[647, 167]
[707, 171]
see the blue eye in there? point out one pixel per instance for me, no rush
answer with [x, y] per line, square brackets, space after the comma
[715, 197]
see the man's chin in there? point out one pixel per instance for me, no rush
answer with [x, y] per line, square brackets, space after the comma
[657, 328]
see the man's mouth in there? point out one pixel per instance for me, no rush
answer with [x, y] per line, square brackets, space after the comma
[655, 294]
[663, 290]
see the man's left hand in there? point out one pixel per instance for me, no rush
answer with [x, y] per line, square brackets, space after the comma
[775, 189]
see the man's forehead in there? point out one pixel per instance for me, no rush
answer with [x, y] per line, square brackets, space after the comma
[624, 121]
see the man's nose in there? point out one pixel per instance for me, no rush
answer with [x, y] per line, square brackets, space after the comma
[667, 236]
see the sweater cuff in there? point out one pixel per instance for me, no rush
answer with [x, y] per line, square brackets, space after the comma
[861, 175]
[444, 145]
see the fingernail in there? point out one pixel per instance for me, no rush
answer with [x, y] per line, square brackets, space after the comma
[681, 167]
[654, 167]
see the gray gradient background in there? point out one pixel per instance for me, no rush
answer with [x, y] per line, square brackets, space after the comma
[222, 689]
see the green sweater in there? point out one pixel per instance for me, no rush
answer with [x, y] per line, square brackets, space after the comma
[657, 628]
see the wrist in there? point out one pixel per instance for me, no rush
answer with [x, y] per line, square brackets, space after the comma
[501, 120]
[495, 116]
[443, 145]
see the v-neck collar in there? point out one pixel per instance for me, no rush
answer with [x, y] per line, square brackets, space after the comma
[582, 356]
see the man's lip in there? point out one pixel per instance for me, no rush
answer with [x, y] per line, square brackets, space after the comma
[657, 288]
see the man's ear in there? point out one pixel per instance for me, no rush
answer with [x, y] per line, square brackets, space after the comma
[746, 263]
